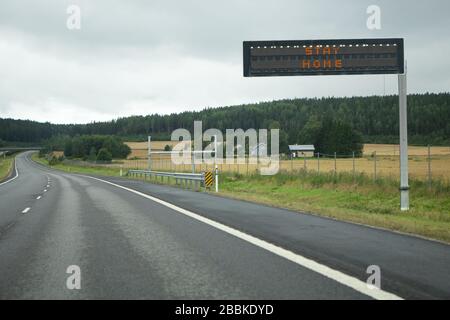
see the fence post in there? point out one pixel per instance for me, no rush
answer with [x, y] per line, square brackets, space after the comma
[353, 158]
[429, 167]
[248, 160]
[375, 165]
[335, 166]
[149, 153]
[304, 162]
[318, 162]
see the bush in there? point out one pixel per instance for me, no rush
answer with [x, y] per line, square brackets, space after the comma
[92, 155]
[53, 161]
[87, 147]
[104, 155]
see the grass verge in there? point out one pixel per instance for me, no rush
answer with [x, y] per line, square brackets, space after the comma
[87, 169]
[356, 199]
[5, 166]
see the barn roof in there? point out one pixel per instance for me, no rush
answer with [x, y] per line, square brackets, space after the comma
[301, 147]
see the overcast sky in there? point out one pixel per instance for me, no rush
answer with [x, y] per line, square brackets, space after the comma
[138, 57]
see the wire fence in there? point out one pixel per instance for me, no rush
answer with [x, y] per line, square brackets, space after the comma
[426, 167]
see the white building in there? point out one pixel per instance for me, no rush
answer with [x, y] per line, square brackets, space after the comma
[298, 150]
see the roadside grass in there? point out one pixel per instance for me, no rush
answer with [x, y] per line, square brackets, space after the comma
[343, 196]
[99, 170]
[96, 170]
[5, 166]
[357, 199]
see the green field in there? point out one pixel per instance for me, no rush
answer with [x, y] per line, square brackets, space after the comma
[5, 166]
[342, 197]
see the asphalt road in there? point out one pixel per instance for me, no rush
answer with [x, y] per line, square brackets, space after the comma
[131, 246]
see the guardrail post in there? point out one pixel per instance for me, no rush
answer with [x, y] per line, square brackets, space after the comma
[204, 184]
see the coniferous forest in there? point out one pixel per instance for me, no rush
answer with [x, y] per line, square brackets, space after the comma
[373, 119]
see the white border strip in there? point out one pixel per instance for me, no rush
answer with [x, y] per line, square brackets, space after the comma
[15, 177]
[328, 272]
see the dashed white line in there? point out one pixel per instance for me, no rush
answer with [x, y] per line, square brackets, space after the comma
[38, 198]
[45, 190]
[324, 270]
[26, 210]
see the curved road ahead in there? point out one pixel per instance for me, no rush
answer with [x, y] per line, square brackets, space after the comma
[135, 240]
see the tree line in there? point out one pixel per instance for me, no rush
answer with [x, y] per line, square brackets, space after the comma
[374, 118]
[88, 147]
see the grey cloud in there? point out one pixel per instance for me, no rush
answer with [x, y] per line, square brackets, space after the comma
[167, 56]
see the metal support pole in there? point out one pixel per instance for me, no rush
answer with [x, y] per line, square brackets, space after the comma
[404, 185]
[149, 155]
[215, 149]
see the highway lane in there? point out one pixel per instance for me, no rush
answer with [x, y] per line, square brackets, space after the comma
[18, 194]
[412, 267]
[130, 247]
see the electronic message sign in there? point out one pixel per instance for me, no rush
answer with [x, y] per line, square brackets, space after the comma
[323, 57]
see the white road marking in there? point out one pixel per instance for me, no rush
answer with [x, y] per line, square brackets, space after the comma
[38, 198]
[48, 186]
[328, 272]
[15, 177]
[45, 190]
[26, 210]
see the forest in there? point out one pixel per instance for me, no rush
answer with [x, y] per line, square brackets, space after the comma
[374, 119]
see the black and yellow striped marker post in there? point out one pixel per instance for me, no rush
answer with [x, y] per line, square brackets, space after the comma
[209, 179]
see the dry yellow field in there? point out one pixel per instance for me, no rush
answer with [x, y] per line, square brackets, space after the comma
[393, 150]
[387, 162]
[57, 154]
[140, 149]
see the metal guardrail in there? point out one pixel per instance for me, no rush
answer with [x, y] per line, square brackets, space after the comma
[187, 180]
